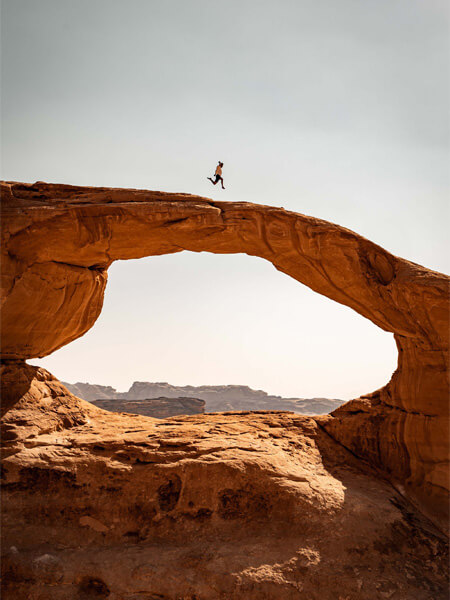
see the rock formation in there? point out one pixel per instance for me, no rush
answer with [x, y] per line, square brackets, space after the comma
[206, 507]
[158, 408]
[90, 392]
[241, 506]
[218, 398]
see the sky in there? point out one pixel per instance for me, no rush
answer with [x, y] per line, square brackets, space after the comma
[333, 109]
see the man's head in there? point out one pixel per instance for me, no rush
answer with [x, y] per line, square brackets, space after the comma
[221, 163]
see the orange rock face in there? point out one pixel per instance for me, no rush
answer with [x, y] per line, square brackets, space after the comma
[227, 506]
[58, 242]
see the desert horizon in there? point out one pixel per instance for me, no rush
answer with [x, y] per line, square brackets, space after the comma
[213, 398]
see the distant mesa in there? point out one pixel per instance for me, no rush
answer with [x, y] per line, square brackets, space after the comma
[158, 408]
[214, 398]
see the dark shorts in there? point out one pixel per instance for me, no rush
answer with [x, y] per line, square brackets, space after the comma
[218, 178]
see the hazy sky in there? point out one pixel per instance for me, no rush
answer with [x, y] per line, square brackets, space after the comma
[333, 109]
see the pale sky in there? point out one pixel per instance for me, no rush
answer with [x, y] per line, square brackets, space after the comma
[333, 109]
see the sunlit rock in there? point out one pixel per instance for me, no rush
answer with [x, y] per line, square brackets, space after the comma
[216, 506]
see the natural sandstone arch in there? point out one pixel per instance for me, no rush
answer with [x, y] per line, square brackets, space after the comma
[58, 241]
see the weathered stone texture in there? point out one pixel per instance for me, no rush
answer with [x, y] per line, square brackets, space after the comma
[57, 244]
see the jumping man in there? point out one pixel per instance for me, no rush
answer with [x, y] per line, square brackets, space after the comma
[218, 175]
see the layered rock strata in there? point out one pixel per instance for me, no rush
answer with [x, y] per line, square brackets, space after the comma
[58, 242]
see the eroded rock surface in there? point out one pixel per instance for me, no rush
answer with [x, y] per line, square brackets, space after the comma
[58, 241]
[215, 506]
[207, 507]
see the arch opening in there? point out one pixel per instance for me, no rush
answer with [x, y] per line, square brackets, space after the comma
[231, 323]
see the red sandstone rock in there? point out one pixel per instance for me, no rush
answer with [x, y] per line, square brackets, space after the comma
[316, 507]
[212, 507]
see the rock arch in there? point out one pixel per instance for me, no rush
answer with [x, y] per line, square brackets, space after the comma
[58, 242]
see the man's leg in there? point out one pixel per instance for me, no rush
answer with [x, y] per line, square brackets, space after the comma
[213, 182]
[221, 181]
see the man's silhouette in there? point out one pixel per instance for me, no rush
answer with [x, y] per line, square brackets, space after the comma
[218, 175]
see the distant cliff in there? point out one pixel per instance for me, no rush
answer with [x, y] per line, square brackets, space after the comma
[159, 408]
[218, 398]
